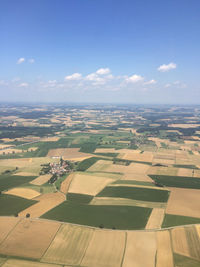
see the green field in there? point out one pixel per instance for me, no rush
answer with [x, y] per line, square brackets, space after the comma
[86, 163]
[177, 181]
[79, 198]
[184, 261]
[120, 217]
[145, 194]
[12, 205]
[175, 220]
[134, 182]
[10, 181]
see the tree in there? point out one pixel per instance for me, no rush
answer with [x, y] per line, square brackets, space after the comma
[28, 215]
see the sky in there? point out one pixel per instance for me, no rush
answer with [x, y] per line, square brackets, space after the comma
[101, 51]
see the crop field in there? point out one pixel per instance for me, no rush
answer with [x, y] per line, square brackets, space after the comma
[9, 181]
[184, 202]
[7, 224]
[68, 153]
[23, 192]
[41, 233]
[42, 179]
[12, 205]
[25, 263]
[88, 184]
[155, 219]
[120, 217]
[144, 194]
[175, 220]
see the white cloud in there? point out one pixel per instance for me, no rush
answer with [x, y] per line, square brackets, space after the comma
[20, 60]
[103, 71]
[135, 78]
[31, 60]
[150, 82]
[74, 76]
[164, 67]
[23, 85]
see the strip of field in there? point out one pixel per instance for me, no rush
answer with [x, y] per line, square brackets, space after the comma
[24, 263]
[69, 245]
[185, 202]
[177, 181]
[30, 238]
[66, 183]
[137, 177]
[105, 249]
[100, 165]
[180, 260]
[6, 225]
[120, 217]
[88, 184]
[42, 179]
[12, 205]
[164, 257]
[46, 203]
[155, 219]
[144, 194]
[179, 241]
[193, 242]
[23, 192]
[79, 198]
[140, 249]
[126, 202]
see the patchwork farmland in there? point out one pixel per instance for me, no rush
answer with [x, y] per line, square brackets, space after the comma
[101, 190]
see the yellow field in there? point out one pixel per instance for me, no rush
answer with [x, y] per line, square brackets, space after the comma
[193, 242]
[191, 125]
[46, 203]
[155, 219]
[6, 225]
[140, 249]
[106, 150]
[24, 174]
[23, 192]
[179, 241]
[66, 183]
[184, 202]
[185, 172]
[105, 249]
[88, 184]
[164, 251]
[51, 139]
[100, 165]
[146, 156]
[69, 245]
[30, 238]
[68, 153]
[42, 179]
[163, 170]
[24, 263]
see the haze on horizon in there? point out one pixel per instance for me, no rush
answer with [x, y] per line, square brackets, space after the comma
[100, 51]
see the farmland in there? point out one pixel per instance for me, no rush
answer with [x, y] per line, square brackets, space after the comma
[95, 175]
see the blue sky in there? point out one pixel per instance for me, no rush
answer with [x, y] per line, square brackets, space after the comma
[130, 51]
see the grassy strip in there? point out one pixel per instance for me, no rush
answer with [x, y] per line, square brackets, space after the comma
[175, 220]
[12, 205]
[9, 181]
[145, 194]
[177, 181]
[108, 154]
[79, 198]
[186, 166]
[184, 261]
[134, 182]
[120, 217]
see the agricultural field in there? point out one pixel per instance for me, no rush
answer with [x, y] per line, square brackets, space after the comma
[87, 178]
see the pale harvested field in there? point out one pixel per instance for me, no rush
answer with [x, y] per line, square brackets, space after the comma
[185, 202]
[69, 245]
[105, 249]
[185, 172]
[179, 241]
[139, 186]
[164, 251]
[146, 156]
[163, 170]
[51, 139]
[30, 238]
[193, 242]
[88, 184]
[6, 225]
[191, 125]
[126, 202]
[163, 161]
[155, 219]
[196, 173]
[100, 165]
[42, 179]
[46, 202]
[23, 192]
[24, 174]
[67, 153]
[24, 263]
[10, 151]
[140, 249]
[2, 146]
[137, 177]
